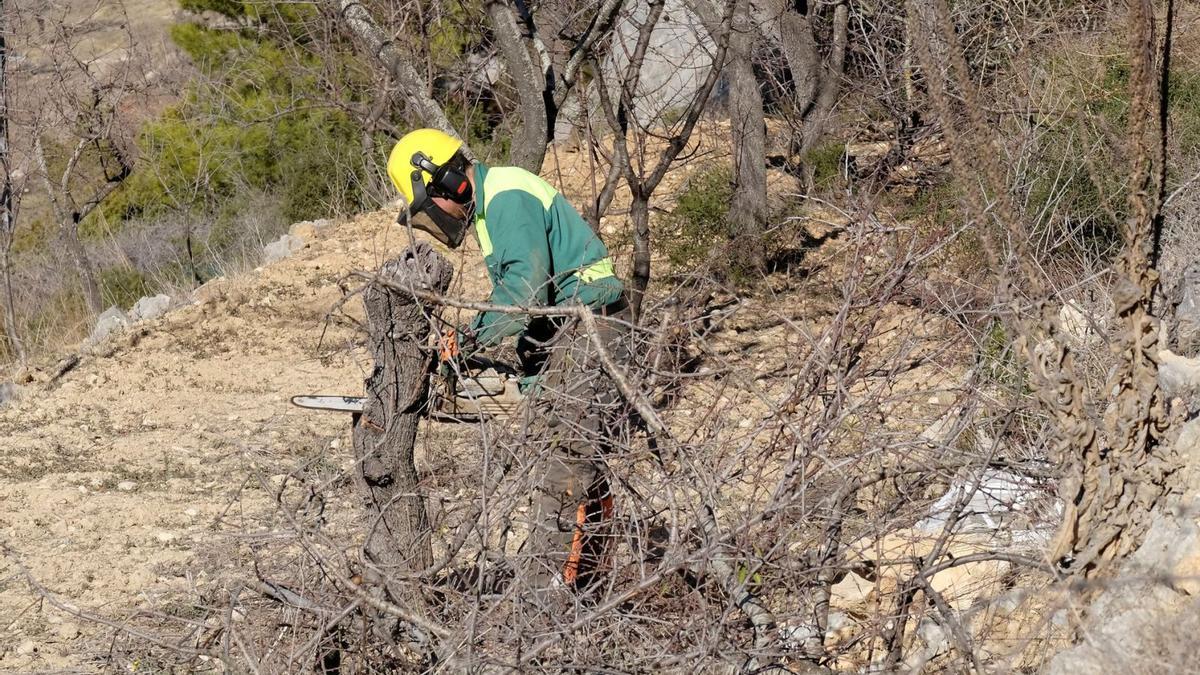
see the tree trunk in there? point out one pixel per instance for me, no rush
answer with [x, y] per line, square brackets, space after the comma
[536, 106]
[398, 540]
[817, 82]
[639, 213]
[748, 208]
[375, 41]
[68, 233]
[7, 206]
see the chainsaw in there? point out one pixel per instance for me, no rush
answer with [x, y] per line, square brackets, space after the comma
[481, 390]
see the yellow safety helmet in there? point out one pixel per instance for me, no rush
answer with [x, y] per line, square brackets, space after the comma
[427, 163]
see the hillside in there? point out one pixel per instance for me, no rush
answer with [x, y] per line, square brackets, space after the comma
[146, 478]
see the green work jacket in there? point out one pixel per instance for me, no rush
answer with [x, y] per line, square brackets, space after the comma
[539, 251]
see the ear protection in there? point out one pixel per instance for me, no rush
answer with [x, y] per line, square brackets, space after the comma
[446, 182]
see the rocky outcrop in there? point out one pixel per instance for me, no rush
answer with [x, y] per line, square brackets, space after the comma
[111, 320]
[1147, 616]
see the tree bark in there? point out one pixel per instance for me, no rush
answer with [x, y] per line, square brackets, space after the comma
[748, 208]
[398, 539]
[376, 42]
[818, 81]
[639, 213]
[535, 100]
[7, 204]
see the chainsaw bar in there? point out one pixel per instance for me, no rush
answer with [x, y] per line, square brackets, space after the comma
[489, 391]
[350, 404]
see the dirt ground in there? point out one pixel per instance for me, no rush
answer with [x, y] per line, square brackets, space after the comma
[130, 479]
[113, 477]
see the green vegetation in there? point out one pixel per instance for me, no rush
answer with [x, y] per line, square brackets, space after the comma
[250, 126]
[122, 286]
[1073, 195]
[700, 219]
[825, 162]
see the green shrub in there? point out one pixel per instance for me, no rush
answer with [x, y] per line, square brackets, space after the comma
[1076, 187]
[242, 131]
[825, 162]
[700, 219]
[122, 286]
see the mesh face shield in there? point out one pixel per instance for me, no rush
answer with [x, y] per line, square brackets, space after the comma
[445, 228]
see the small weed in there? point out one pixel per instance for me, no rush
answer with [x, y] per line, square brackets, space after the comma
[825, 163]
[700, 219]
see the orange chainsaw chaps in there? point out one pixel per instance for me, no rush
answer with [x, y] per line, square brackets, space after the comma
[595, 542]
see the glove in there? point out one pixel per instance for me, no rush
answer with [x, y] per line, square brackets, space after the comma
[455, 346]
[448, 348]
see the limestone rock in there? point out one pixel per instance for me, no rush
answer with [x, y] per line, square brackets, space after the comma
[307, 230]
[1178, 375]
[1148, 614]
[1187, 312]
[9, 392]
[998, 501]
[113, 319]
[1076, 325]
[284, 247]
[150, 307]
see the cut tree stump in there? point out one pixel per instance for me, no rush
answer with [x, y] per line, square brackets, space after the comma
[397, 526]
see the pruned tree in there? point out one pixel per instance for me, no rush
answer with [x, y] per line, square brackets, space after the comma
[397, 524]
[642, 177]
[816, 57]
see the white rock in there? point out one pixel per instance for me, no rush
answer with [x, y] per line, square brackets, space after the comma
[1178, 375]
[112, 320]
[127, 486]
[284, 247]
[9, 392]
[26, 648]
[166, 537]
[1076, 325]
[191, 512]
[999, 497]
[150, 307]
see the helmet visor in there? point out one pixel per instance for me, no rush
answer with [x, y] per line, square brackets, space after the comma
[445, 228]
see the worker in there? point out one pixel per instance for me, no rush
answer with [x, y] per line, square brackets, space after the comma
[539, 252]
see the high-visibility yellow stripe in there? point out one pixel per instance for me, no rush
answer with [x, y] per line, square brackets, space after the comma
[485, 240]
[597, 270]
[504, 178]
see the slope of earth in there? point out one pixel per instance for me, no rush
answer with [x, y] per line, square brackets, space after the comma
[117, 475]
[135, 476]
[111, 476]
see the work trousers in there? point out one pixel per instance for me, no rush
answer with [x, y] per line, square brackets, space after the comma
[582, 416]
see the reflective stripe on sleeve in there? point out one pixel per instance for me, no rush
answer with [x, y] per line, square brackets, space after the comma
[597, 270]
